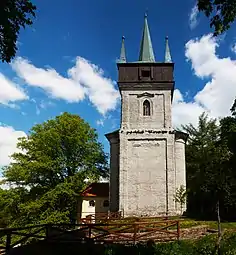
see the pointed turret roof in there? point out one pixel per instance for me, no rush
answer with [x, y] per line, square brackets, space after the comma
[167, 52]
[122, 52]
[146, 51]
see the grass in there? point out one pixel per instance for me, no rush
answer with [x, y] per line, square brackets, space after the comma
[184, 223]
[189, 223]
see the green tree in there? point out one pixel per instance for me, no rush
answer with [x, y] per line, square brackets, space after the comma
[180, 197]
[222, 13]
[208, 175]
[50, 172]
[14, 15]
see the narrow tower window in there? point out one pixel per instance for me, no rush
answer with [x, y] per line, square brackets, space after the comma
[146, 108]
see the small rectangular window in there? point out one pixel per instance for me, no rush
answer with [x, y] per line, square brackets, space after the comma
[146, 73]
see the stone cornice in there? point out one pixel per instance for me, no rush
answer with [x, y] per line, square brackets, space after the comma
[146, 94]
[181, 135]
[162, 64]
[147, 131]
[113, 136]
[170, 85]
[148, 85]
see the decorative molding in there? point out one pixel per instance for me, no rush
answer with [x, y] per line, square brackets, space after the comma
[113, 137]
[181, 135]
[143, 86]
[146, 94]
[149, 131]
[144, 144]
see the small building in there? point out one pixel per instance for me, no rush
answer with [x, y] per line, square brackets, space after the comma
[94, 200]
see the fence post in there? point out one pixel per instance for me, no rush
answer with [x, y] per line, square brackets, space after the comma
[135, 233]
[178, 230]
[8, 243]
[90, 231]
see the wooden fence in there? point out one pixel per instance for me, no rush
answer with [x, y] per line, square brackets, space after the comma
[108, 217]
[97, 233]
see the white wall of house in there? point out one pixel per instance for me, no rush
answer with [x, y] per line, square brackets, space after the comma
[99, 207]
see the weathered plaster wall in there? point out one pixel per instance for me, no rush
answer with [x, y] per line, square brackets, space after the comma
[114, 174]
[180, 168]
[98, 208]
[147, 172]
[132, 110]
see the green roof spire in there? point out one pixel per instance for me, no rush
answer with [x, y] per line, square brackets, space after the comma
[122, 52]
[167, 52]
[146, 51]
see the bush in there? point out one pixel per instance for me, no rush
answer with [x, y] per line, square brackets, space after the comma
[203, 246]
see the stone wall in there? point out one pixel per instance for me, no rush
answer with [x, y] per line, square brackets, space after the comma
[132, 109]
[114, 173]
[180, 167]
[147, 173]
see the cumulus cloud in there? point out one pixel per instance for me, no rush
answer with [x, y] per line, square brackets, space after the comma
[100, 122]
[8, 142]
[233, 48]
[219, 91]
[10, 92]
[193, 17]
[84, 80]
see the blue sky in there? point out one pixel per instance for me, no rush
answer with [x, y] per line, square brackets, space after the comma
[67, 62]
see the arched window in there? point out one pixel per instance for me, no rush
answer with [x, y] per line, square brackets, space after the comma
[92, 203]
[146, 108]
[105, 203]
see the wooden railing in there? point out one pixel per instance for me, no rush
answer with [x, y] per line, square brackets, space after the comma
[101, 217]
[109, 233]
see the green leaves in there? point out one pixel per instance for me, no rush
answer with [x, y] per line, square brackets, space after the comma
[222, 13]
[50, 172]
[14, 15]
[210, 158]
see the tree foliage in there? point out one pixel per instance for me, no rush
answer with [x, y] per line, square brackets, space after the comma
[50, 171]
[14, 15]
[180, 197]
[222, 13]
[210, 157]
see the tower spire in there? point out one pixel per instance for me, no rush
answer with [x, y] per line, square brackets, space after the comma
[122, 51]
[167, 52]
[146, 51]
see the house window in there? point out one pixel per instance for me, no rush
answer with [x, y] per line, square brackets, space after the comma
[92, 203]
[105, 203]
[145, 73]
[146, 108]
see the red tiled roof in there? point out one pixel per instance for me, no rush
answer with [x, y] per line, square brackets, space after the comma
[96, 190]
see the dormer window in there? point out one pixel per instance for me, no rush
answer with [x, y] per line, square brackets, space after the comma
[146, 108]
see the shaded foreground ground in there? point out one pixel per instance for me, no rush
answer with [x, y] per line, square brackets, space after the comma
[194, 236]
[203, 246]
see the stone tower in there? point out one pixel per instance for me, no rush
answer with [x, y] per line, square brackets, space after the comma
[147, 156]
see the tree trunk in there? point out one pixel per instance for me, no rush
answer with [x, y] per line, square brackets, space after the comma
[219, 226]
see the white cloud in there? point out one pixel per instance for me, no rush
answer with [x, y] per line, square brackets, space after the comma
[84, 79]
[233, 48]
[37, 110]
[10, 92]
[100, 122]
[8, 142]
[45, 104]
[219, 92]
[193, 17]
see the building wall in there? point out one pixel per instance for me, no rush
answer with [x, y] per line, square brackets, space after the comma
[98, 208]
[147, 173]
[114, 174]
[147, 160]
[132, 109]
[180, 166]
[143, 178]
